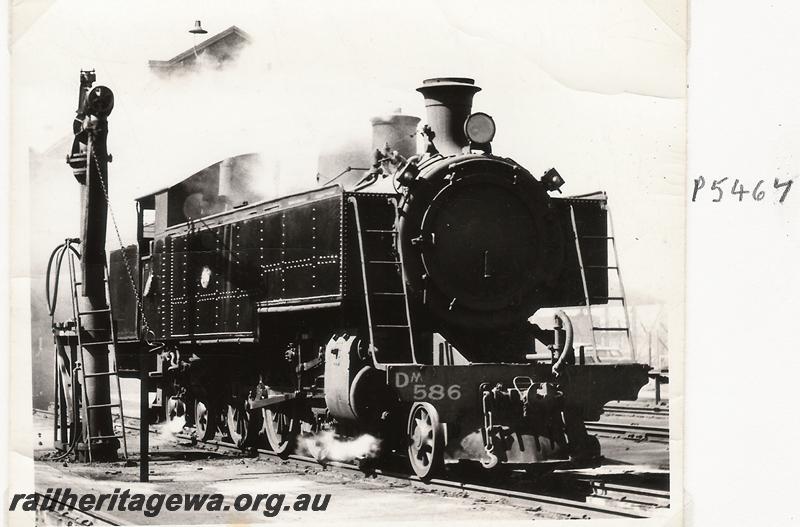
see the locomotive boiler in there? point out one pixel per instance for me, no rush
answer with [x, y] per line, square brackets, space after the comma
[394, 300]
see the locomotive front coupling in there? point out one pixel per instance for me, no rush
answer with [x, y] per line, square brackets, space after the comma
[522, 423]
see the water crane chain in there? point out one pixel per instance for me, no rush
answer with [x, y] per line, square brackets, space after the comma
[149, 334]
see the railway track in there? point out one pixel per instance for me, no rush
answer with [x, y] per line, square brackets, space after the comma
[604, 500]
[624, 494]
[630, 431]
[658, 411]
[70, 516]
[633, 431]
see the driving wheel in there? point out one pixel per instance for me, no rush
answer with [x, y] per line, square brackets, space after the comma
[205, 421]
[280, 427]
[242, 423]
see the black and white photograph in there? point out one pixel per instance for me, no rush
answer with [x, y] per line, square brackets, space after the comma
[348, 261]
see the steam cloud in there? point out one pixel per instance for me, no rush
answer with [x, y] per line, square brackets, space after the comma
[167, 432]
[326, 447]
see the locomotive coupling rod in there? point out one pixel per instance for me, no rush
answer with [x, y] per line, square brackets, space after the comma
[310, 364]
[271, 401]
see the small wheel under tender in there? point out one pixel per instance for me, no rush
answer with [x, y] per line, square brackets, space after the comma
[425, 440]
[205, 420]
[280, 427]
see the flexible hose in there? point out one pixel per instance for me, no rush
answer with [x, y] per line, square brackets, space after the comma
[566, 349]
[73, 426]
[51, 300]
[57, 256]
[72, 445]
[52, 276]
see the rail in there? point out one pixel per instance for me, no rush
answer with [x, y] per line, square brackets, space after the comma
[562, 505]
[605, 501]
[642, 432]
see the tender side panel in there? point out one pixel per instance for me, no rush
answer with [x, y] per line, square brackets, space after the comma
[123, 294]
[215, 274]
[306, 260]
[329, 269]
[591, 219]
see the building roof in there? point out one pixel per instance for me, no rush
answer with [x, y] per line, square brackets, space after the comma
[223, 46]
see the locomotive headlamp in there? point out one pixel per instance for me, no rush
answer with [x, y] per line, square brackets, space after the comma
[552, 180]
[479, 128]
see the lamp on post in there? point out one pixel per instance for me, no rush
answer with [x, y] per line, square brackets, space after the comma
[197, 29]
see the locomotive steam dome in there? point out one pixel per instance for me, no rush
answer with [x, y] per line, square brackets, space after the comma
[479, 238]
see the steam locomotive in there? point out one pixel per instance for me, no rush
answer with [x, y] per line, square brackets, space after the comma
[393, 301]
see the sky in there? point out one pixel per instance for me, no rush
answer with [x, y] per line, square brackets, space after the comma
[593, 88]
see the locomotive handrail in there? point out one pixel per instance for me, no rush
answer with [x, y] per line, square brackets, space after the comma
[599, 194]
[226, 217]
[404, 282]
[352, 200]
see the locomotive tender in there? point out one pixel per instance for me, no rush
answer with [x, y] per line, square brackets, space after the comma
[396, 303]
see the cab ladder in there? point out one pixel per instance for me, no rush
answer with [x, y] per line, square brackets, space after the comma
[588, 300]
[387, 308]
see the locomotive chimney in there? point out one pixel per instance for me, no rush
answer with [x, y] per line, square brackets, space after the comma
[396, 130]
[448, 101]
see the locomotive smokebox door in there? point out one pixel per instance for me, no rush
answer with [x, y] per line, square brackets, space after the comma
[471, 256]
[480, 242]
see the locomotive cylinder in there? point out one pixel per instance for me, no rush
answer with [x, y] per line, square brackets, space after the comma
[448, 103]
